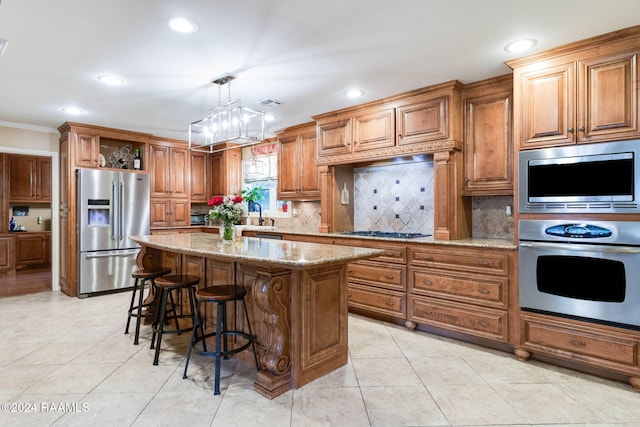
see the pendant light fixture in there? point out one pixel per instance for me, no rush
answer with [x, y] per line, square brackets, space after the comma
[230, 123]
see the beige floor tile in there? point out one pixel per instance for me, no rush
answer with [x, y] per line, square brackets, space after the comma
[546, 403]
[328, 407]
[445, 370]
[40, 410]
[106, 410]
[184, 408]
[18, 378]
[612, 402]
[402, 406]
[474, 404]
[73, 378]
[384, 372]
[242, 407]
[419, 344]
[136, 378]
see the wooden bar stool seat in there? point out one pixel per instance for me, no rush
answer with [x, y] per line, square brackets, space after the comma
[219, 295]
[142, 277]
[167, 285]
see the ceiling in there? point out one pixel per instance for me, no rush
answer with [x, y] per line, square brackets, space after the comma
[304, 54]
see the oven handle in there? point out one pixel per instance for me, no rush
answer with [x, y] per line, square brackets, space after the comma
[583, 247]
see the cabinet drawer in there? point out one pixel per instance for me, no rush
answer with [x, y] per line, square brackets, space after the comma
[474, 320]
[477, 289]
[479, 261]
[377, 300]
[394, 254]
[371, 273]
[584, 343]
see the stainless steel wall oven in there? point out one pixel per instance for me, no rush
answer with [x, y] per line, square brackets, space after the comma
[582, 269]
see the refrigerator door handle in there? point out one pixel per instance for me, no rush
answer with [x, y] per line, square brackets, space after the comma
[121, 213]
[111, 254]
[112, 214]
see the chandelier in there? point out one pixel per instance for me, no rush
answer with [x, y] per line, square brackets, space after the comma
[228, 125]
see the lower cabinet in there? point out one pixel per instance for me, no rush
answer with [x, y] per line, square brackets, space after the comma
[169, 212]
[460, 289]
[7, 257]
[33, 249]
[597, 346]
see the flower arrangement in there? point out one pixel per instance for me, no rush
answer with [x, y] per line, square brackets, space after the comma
[229, 210]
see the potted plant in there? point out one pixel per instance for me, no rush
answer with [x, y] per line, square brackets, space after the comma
[252, 196]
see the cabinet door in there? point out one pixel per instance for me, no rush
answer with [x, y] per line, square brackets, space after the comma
[608, 98]
[334, 137]
[548, 107]
[309, 175]
[43, 180]
[87, 150]
[159, 213]
[179, 173]
[30, 250]
[22, 178]
[180, 213]
[159, 163]
[288, 166]
[226, 172]
[374, 130]
[423, 121]
[488, 144]
[7, 257]
[200, 177]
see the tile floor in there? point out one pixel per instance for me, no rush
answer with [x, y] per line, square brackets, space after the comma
[66, 362]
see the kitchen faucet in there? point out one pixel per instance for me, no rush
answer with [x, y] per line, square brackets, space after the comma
[260, 219]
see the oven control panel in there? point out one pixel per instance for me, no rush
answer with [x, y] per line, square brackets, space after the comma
[580, 231]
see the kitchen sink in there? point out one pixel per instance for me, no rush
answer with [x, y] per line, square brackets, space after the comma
[388, 234]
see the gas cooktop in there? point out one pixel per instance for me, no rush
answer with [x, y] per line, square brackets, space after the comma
[389, 234]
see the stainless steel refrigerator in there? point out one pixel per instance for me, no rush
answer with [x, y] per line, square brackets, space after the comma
[112, 206]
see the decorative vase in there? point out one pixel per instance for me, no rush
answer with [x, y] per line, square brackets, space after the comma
[227, 232]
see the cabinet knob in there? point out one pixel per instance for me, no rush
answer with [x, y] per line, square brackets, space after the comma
[581, 129]
[570, 130]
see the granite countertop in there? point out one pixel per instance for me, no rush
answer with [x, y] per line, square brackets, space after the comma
[284, 253]
[469, 242]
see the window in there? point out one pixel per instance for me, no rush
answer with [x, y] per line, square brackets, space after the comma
[260, 169]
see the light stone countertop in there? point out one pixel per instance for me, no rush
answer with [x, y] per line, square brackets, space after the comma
[283, 253]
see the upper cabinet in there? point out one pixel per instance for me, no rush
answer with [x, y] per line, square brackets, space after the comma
[298, 176]
[200, 176]
[488, 137]
[169, 168]
[580, 93]
[421, 121]
[29, 178]
[366, 129]
[226, 172]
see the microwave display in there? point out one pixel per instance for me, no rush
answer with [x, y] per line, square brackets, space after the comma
[606, 179]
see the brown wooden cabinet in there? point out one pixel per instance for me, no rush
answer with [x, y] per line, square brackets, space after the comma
[29, 179]
[593, 345]
[580, 93]
[200, 173]
[33, 249]
[488, 137]
[87, 149]
[226, 172]
[169, 212]
[461, 289]
[169, 169]
[359, 130]
[7, 253]
[298, 176]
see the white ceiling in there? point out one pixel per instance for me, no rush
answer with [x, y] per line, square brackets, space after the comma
[303, 53]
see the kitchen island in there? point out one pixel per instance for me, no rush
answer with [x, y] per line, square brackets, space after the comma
[297, 296]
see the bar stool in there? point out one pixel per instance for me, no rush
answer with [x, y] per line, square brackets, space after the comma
[220, 295]
[142, 277]
[166, 286]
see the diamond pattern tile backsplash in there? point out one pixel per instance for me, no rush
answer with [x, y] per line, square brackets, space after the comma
[395, 197]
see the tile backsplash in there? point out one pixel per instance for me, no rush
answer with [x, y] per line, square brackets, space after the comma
[397, 197]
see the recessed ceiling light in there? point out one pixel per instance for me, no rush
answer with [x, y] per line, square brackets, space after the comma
[73, 110]
[354, 93]
[520, 45]
[111, 79]
[183, 25]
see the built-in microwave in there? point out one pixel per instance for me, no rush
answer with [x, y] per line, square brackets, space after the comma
[585, 178]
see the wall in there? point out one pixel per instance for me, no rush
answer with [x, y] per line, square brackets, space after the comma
[38, 141]
[489, 218]
[30, 222]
